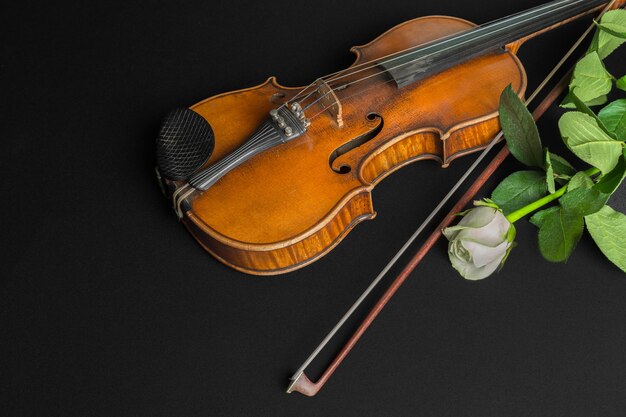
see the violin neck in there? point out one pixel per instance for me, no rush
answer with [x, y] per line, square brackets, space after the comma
[428, 59]
[560, 13]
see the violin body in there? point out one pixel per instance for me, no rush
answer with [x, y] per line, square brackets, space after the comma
[288, 206]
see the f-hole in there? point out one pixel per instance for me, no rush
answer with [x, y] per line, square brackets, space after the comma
[355, 143]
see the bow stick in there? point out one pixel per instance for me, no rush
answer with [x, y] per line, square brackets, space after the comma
[299, 381]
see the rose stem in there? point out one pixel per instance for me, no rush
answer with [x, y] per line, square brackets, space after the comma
[524, 211]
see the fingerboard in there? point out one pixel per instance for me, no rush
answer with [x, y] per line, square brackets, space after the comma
[428, 59]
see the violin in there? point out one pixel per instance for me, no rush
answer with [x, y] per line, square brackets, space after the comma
[270, 178]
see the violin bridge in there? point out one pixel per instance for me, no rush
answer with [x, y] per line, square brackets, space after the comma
[329, 101]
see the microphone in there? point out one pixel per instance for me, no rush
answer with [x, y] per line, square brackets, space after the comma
[185, 143]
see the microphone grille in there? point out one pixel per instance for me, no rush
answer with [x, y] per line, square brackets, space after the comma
[184, 144]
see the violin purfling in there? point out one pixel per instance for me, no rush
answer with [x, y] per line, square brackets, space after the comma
[269, 179]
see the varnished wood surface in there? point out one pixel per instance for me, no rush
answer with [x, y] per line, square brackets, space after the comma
[286, 207]
[111, 308]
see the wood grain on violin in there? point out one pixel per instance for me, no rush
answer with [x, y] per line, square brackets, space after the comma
[285, 207]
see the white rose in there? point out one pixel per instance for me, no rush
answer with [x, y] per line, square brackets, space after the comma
[480, 242]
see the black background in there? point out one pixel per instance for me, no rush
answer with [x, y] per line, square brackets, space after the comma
[110, 308]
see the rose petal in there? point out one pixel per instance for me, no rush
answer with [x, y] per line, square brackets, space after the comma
[456, 247]
[471, 272]
[479, 243]
[491, 234]
[478, 217]
[483, 255]
[451, 232]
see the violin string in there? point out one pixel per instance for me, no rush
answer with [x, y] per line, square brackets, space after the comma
[472, 33]
[550, 7]
[372, 76]
[258, 138]
[417, 59]
[296, 376]
[553, 7]
[376, 85]
[435, 42]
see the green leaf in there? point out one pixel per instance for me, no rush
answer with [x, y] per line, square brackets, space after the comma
[604, 43]
[614, 23]
[538, 218]
[621, 83]
[611, 181]
[612, 29]
[595, 43]
[520, 130]
[582, 107]
[591, 80]
[549, 172]
[608, 229]
[568, 103]
[580, 180]
[560, 166]
[583, 201]
[589, 142]
[519, 189]
[559, 232]
[614, 118]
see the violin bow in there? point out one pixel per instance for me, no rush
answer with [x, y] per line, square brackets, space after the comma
[299, 381]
